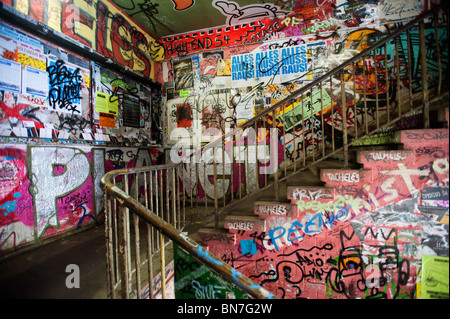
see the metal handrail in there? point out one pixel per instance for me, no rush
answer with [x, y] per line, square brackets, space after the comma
[193, 248]
[149, 214]
[168, 230]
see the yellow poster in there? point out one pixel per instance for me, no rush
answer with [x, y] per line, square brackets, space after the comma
[434, 278]
[105, 104]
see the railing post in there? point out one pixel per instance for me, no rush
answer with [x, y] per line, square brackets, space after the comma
[126, 221]
[150, 260]
[438, 53]
[109, 247]
[175, 198]
[344, 119]
[123, 253]
[216, 200]
[137, 257]
[275, 174]
[397, 64]
[163, 266]
[424, 73]
[410, 68]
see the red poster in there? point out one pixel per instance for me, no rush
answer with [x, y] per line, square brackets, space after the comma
[184, 115]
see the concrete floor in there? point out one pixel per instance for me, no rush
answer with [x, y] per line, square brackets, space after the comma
[41, 272]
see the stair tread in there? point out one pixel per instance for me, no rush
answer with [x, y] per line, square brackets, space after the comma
[307, 186]
[272, 202]
[415, 136]
[243, 217]
[245, 223]
[207, 235]
[213, 230]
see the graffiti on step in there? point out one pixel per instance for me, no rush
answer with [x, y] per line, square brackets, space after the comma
[358, 239]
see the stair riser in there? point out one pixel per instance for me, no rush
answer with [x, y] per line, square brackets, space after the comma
[265, 210]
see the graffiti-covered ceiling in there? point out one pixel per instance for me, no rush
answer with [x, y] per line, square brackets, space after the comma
[169, 17]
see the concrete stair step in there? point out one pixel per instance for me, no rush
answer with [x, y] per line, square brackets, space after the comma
[336, 177]
[236, 223]
[265, 209]
[209, 235]
[377, 139]
[411, 139]
[307, 193]
[385, 157]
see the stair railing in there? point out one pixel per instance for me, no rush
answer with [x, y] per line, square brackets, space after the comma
[368, 92]
[149, 200]
[363, 95]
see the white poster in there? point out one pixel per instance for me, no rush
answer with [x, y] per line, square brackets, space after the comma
[244, 110]
[11, 75]
[272, 66]
[34, 81]
[392, 10]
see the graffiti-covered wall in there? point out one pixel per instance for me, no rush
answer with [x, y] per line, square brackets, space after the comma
[98, 25]
[64, 122]
[365, 233]
[217, 78]
[53, 188]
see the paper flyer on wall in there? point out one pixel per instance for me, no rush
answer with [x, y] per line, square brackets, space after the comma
[11, 75]
[434, 278]
[271, 66]
[34, 81]
[104, 103]
[183, 74]
[244, 110]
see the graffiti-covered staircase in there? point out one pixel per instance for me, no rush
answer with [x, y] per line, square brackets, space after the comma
[344, 202]
[360, 234]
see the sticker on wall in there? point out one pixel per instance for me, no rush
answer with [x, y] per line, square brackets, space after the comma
[248, 247]
[184, 93]
[224, 67]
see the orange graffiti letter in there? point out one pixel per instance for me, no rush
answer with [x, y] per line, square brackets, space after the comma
[182, 4]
